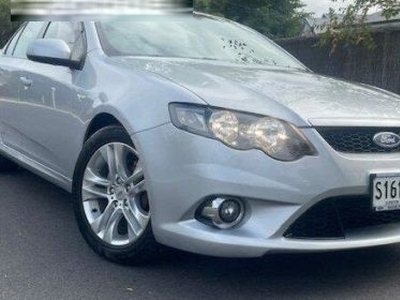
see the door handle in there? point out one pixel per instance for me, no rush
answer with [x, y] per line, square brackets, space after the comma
[26, 82]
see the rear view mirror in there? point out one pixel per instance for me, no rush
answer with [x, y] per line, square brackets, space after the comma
[50, 51]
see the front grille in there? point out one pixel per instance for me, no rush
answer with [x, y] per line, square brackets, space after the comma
[356, 139]
[331, 218]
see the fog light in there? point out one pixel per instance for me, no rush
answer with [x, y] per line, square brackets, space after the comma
[221, 212]
[229, 211]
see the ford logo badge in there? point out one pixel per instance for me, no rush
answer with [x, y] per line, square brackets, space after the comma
[387, 139]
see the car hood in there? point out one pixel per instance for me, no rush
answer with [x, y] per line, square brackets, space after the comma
[301, 97]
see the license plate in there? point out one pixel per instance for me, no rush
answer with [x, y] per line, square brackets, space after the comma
[385, 192]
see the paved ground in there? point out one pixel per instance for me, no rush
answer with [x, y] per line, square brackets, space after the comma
[42, 256]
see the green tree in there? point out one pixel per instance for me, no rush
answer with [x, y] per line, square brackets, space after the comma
[7, 27]
[5, 22]
[274, 18]
[348, 26]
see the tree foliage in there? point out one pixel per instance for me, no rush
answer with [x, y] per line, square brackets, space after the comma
[274, 18]
[5, 22]
[7, 27]
[348, 25]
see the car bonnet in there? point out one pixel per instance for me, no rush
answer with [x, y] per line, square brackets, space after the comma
[297, 96]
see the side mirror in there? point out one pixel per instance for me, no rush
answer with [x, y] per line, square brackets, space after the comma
[50, 51]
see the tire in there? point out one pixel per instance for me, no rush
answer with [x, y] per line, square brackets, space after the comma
[7, 165]
[110, 199]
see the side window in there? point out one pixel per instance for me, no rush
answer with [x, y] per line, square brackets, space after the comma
[11, 45]
[30, 33]
[61, 30]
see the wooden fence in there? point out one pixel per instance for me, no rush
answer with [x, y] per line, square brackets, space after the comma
[379, 67]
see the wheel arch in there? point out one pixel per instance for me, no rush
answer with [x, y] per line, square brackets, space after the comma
[100, 121]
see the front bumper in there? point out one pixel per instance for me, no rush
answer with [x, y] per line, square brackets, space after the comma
[183, 169]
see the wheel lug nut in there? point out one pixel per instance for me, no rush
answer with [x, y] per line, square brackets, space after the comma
[112, 190]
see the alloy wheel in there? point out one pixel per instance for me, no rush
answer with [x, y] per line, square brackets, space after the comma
[114, 194]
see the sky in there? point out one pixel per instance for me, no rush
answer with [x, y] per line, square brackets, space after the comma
[320, 7]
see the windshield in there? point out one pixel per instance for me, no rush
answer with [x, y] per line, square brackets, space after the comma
[196, 37]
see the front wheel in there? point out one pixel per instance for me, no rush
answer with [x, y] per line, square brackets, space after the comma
[110, 198]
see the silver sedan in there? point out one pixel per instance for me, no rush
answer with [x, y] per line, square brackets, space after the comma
[200, 134]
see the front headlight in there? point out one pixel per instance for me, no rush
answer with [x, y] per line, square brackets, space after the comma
[277, 138]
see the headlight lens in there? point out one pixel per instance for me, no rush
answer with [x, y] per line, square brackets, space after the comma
[278, 139]
[225, 126]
